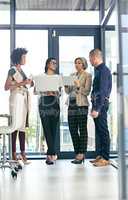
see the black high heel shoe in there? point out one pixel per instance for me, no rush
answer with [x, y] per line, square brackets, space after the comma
[49, 162]
[76, 161]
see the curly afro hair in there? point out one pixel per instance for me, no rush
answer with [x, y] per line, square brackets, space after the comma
[16, 55]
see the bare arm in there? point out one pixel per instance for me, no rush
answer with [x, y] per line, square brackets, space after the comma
[10, 85]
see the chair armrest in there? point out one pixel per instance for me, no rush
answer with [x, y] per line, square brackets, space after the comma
[6, 116]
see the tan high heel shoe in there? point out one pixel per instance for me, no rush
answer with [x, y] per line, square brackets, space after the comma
[22, 157]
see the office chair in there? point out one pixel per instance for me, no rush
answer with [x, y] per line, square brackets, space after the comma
[16, 123]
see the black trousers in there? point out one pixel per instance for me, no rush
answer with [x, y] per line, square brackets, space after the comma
[77, 120]
[102, 138]
[49, 113]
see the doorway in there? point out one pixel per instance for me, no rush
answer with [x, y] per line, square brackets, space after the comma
[67, 45]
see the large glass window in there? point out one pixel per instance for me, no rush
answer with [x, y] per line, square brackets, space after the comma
[111, 58]
[4, 67]
[75, 12]
[71, 47]
[113, 18]
[111, 62]
[5, 12]
[36, 42]
[58, 17]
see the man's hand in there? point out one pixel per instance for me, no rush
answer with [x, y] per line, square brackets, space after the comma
[94, 114]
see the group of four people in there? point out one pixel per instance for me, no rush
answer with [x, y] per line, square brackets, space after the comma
[49, 109]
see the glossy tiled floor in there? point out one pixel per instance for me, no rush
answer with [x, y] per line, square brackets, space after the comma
[62, 181]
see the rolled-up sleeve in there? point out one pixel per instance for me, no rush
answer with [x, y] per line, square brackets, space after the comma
[11, 72]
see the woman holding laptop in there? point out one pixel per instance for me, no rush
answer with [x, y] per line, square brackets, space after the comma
[49, 113]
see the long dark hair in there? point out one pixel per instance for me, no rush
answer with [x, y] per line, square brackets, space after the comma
[47, 62]
[16, 55]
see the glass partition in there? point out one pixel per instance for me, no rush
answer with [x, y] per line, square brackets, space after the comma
[123, 98]
[124, 38]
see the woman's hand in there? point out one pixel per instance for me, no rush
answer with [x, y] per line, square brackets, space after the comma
[13, 87]
[28, 81]
[49, 93]
[24, 83]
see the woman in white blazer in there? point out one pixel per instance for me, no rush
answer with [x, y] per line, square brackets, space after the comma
[16, 82]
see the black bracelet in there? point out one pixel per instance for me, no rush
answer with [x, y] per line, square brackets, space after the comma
[78, 88]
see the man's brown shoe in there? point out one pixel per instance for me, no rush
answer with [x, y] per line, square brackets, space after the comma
[102, 162]
[95, 160]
